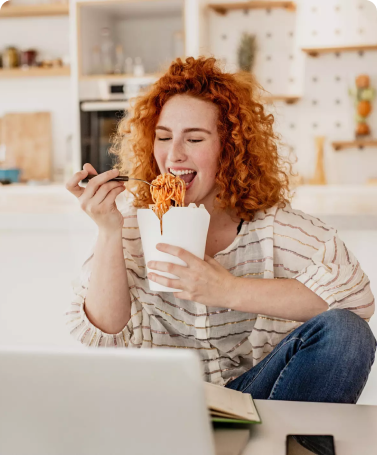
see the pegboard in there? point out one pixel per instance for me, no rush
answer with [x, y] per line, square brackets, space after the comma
[323, 82]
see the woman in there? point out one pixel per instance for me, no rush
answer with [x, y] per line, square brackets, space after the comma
[256, 308]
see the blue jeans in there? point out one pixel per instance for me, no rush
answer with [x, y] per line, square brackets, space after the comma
[327, 359]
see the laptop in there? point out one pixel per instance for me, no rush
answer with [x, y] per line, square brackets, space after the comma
[68, 401]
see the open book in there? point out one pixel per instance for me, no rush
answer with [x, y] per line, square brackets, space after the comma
[230, 406]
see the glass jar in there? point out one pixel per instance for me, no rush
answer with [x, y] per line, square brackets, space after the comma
[10, 58]
[28, 58]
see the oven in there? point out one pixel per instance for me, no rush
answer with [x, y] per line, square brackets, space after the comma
[98, 123]
[103, 103]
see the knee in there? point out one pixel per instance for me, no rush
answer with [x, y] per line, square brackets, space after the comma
[349, 330]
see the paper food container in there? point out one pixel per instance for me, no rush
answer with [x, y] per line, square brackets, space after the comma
[185, 227]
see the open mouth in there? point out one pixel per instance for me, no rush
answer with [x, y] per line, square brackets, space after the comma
[187, 175]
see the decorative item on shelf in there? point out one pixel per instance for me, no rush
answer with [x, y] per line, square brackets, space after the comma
[28, 58]
[246, 52]
[128, 66]
[319, 177]
[363, 94]
[138, 67]
[51, 63]
[11, 58]
[96, 60]
[118, 67]
[107, 46]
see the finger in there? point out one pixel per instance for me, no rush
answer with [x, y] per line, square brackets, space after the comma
[88, 167]
[104, 190]
[96, 182]
[174, 269]
[73, 183]
[112, 195]
[178, 252]
[210, 260]
[168, 282]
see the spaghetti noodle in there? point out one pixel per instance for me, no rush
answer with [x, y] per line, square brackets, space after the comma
[167, 188]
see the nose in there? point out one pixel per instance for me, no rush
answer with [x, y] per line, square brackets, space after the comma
[176, 152]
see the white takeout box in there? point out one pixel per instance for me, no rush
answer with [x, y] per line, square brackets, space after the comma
[186, 227]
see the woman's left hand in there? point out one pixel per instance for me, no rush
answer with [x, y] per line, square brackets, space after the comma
[205, 282]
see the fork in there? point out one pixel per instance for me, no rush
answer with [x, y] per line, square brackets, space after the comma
[121, 178]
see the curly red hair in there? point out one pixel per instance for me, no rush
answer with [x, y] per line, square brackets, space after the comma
[251, 175]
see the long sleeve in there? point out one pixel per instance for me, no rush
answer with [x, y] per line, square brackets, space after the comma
[77, 321]
[327, 267]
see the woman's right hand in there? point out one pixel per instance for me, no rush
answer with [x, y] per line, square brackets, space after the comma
[98, 198]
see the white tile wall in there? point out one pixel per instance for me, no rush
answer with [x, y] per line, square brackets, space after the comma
[283, 69]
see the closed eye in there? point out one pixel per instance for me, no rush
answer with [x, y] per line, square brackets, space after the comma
[194, 141]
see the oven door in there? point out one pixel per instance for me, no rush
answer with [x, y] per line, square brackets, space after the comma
[99, 121]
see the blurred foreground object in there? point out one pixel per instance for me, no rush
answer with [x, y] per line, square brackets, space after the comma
[363, 95]
[26, 144]
[319, 174]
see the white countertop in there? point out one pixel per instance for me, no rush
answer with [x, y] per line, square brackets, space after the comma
[353, 426]
[53, 207]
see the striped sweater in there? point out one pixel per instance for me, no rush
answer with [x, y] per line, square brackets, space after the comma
[279, 243]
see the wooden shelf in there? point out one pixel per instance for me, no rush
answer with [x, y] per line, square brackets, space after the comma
[358, 143]
[93, 77]
[53, 9]
[223, 8]
[316, 51]
[289, 99]
[34, 72]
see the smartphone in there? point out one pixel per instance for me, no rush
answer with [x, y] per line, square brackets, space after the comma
[301, 444]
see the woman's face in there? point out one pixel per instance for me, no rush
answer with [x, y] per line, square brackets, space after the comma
[187, 140]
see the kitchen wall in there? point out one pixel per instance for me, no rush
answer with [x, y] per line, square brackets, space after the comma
[50, 36]
[323, 82]
[281, 67]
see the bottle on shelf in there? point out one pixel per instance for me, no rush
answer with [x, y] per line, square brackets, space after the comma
[128, 66]
[11, 58]
[118, 59]
[107, 47]
[138, 67]
[96, 60]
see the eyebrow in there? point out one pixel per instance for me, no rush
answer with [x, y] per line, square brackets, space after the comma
[187, 130]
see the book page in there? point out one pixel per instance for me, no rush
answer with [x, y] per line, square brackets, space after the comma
[230, 402]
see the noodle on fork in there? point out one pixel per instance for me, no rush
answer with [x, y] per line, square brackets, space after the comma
[167, 188]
